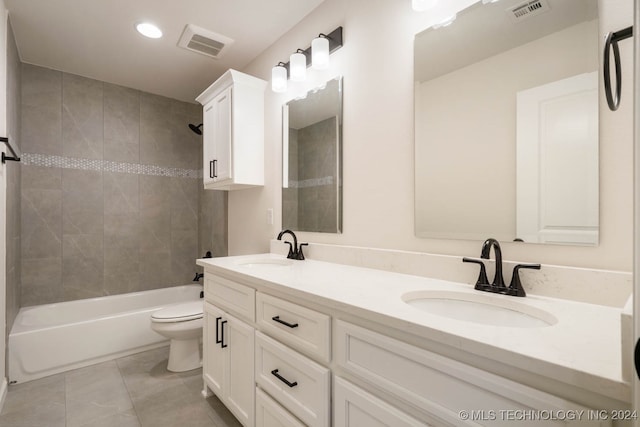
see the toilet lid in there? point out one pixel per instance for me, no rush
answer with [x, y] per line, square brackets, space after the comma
[179, 312]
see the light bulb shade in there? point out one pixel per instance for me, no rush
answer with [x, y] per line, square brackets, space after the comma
[279, 79]
[422, 5]
[298, 67]
[320, 53]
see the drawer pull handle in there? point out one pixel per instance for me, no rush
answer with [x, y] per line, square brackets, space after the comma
[283, 379]
[291, 325]
[218, 340]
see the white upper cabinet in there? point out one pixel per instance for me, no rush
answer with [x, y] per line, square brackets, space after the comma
[233, 132]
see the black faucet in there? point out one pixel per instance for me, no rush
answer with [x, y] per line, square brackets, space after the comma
[295, 251]
[498, 279]
[198, 276]
[482, 284]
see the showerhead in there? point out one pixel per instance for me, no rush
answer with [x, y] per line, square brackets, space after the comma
[196, 129]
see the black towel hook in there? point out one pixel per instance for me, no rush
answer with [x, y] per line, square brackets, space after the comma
[611, 43]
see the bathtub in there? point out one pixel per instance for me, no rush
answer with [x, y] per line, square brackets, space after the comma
[52, 338]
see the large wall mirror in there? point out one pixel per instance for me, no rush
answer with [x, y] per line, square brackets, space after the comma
[312, 160]
[506, 124]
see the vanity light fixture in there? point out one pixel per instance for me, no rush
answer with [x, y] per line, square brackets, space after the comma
[320, 52]
[148, 29]
[298, 66]
[279, 78]
[422, 5]
[296, 69]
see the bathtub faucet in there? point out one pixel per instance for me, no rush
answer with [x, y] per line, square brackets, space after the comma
[198, 276]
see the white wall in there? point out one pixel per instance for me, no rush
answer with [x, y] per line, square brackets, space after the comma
[3, 202]
[377, 64]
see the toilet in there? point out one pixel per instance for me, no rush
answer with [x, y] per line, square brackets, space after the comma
[182, 324]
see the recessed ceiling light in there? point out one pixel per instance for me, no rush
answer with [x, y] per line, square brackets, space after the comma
[149, 30]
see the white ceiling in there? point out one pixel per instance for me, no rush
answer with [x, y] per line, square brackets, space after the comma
[97, 39]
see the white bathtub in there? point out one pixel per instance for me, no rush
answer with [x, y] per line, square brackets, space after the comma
[52, 338]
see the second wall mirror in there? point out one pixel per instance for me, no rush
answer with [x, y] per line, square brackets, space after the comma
[506, 124]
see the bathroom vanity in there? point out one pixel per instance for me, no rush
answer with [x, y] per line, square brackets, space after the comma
[310, 343]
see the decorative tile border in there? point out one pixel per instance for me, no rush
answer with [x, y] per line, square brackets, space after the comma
[313, 182]
[49, 161]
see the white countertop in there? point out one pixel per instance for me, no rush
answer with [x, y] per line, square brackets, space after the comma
[582, 349]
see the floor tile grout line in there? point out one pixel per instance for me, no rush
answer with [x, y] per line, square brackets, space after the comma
[133, 403]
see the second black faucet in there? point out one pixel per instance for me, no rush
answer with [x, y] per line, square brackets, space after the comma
[497, 286]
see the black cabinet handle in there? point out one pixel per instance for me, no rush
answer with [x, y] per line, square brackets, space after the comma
[283, 379]
[218, 340]
[213, 173]
[636, 358]
[222, 344]
[290, 325]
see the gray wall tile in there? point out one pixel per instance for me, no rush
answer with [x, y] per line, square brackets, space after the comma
[82, 117]
[121, 124]
[41, 212]
[41, 281]
[41, 100]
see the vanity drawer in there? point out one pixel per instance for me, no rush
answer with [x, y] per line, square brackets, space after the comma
[300, 385]
[305, 330]
[354, 407]
[230, 296]
[269, 413]
[436, 385]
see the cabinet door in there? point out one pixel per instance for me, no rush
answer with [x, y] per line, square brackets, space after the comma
[213, 364]
[354, 407]
[222, 136]
[208, 156]
[240, 386]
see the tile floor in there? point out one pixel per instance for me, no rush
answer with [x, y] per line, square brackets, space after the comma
[134, 391]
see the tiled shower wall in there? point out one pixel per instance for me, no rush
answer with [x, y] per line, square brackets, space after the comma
[112, 201]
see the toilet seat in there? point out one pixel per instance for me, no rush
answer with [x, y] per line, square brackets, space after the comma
[182, 312]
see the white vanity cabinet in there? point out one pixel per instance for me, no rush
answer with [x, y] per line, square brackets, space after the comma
[279, 357]
[228, 346]
[233, 132]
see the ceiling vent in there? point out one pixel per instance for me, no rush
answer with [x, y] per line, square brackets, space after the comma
[527, 10]
[203, 41]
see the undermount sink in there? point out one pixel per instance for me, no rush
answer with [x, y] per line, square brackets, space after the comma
[486, 309]
[265, 262]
